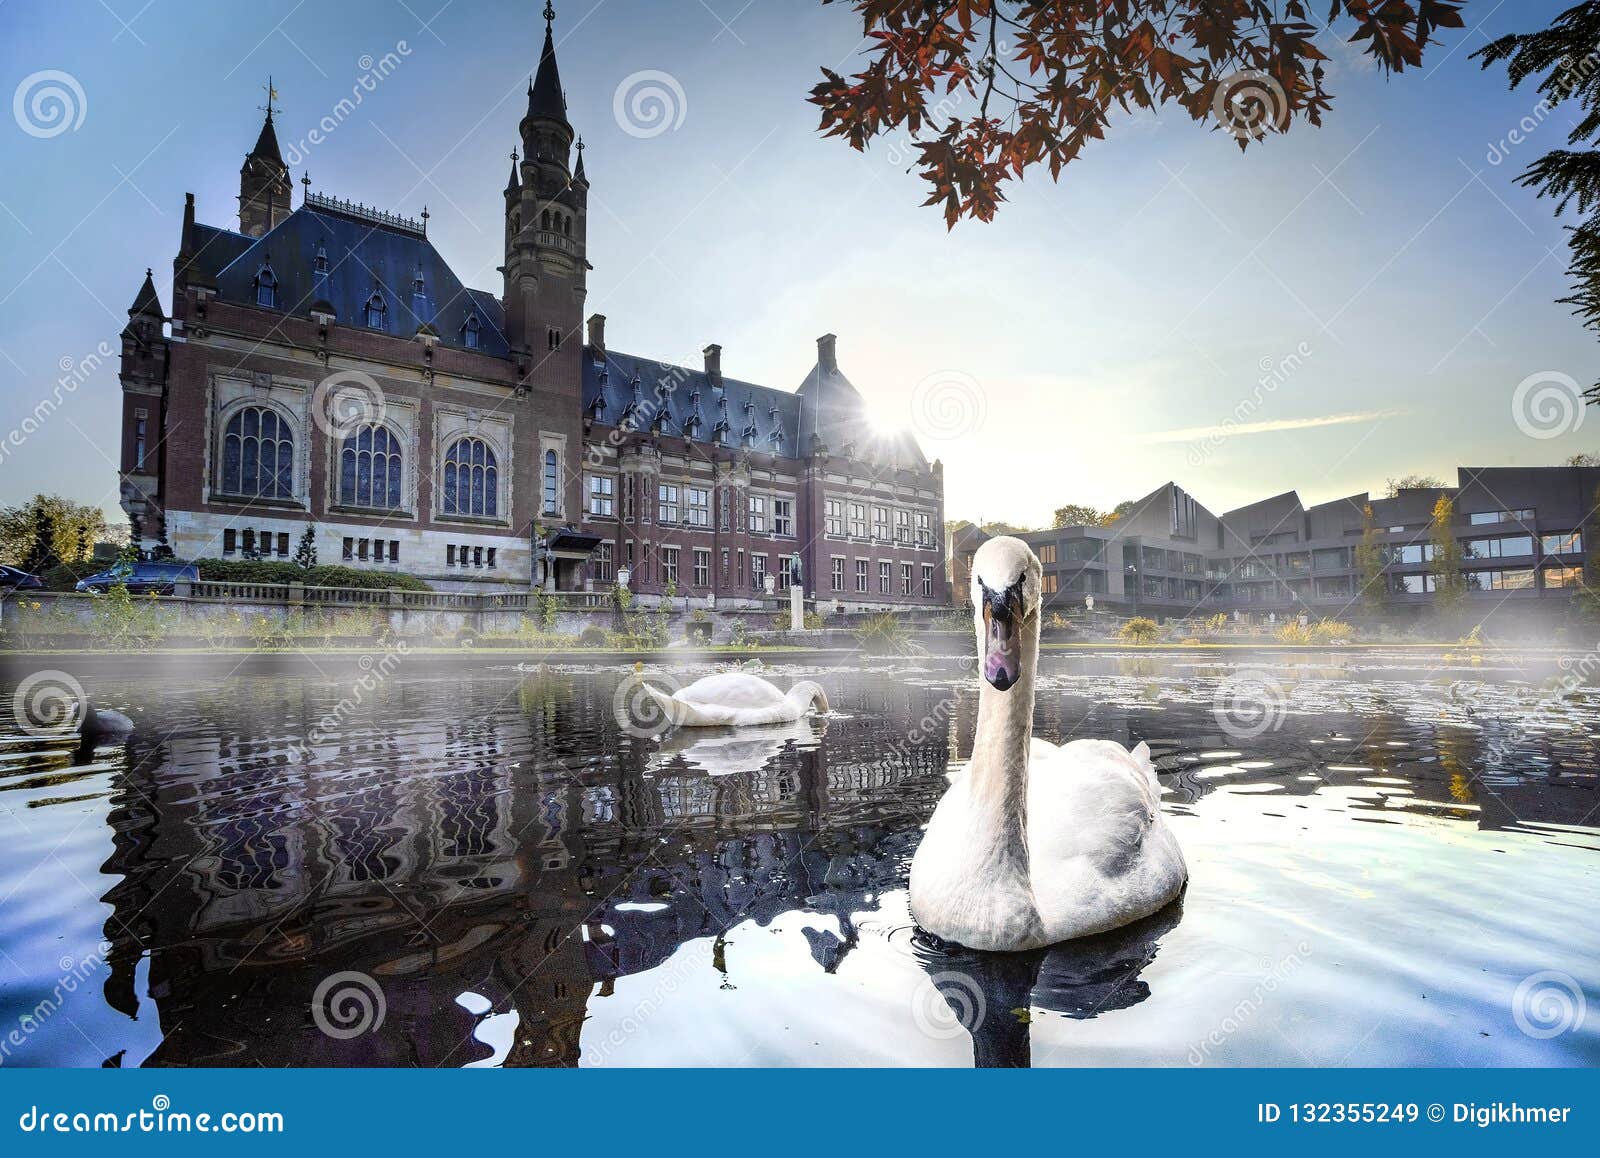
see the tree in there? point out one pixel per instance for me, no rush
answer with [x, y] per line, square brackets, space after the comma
[1587, 458]
[1369, 562]
[1002, 529]
[1076, 515]
[1449, 585]
[1120, 511]
[1412, 482]
[305, 551]
[986, 89]
[1563, 56]
[49, 529]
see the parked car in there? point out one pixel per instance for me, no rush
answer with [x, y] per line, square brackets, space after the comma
[141, 578]
[16, 579]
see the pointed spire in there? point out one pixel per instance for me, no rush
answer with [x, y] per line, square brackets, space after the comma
[545, 98]
[578, 174]
[147, 302]
[514, 184]
[267, 143]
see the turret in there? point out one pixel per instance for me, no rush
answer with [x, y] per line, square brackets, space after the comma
[264, 186]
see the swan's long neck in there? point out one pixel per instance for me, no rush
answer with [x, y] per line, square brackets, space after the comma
[998, 772]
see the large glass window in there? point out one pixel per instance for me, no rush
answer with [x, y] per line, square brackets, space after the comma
[667, 503]
[369, 468]
[601, 495]
[471, 479]
[1047, 553]
[758, 572]
[702, 567]
[758, 515]
[602, 563]
[669, 565]
[1563, 576]
[258, 455]
[902, 527]
[1509, 546]
[884, 579]
[924, 529]
[836, 574]
[861, 576]
[783, 516]
[552, 483]
[858, 520]
[927, 581]
[1514, 579]
[1414, 584]
[1411, 554]
[1563, 543]
[699, 507]
[833, 517]
[880, 525]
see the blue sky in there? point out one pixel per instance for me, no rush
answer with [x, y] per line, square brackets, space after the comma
[1393, 285]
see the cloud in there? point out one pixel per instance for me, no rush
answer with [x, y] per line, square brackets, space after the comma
[1228, 430]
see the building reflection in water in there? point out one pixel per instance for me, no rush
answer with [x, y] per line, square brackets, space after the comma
[502, 842]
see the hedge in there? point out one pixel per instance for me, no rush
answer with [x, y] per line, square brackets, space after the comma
[326, 575]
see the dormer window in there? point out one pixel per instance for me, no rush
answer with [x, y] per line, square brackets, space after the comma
[470, 332]
[266, 287]
[377, 312]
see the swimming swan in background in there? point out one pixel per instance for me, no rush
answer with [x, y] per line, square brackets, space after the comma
[1033, 843]
[737, 698]
[97, 726]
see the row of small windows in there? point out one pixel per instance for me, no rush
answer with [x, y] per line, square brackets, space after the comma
[374, 313]
[255, 544]
[556, 222]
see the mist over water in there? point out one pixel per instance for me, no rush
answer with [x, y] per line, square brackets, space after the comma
[1393, 861]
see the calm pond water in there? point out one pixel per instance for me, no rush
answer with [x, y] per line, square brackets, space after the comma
[1394, 861]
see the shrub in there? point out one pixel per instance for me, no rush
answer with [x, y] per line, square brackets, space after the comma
[593, 636]
[127, 621]
[882, 633]
[1295, 632]
[739, 630]
[1217, 622]
[1140, 629]
[329, 575]
[812, 621]
[1332, 631]
[1058, 622]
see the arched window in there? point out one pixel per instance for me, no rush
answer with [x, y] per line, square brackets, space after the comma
[267, 287]
[377, 312]
[258, 455]
[369, 468]
[471, 479]
[566, 226]
[544, 219]
[551, 472]
[470, 337]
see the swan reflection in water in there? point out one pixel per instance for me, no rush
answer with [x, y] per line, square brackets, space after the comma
[990, 994]
[725, 751]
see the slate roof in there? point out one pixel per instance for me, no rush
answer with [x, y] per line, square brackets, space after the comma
[832, 409]
[611, 382]
[267, 144]
[361, 256]
[545, 98]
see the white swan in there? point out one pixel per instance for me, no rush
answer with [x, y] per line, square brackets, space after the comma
[1034, 843]
[737, 698]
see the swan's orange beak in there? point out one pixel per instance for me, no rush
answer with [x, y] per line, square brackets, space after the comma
[1002, 639]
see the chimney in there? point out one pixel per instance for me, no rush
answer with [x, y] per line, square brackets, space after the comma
[597, 334]
[826, 358]
[713, 355]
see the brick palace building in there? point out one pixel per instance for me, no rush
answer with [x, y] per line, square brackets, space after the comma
[323, 365]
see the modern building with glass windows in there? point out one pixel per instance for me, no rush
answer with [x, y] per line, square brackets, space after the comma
[1524, 534]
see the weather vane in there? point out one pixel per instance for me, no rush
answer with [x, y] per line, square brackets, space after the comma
[272, 95]
[549, 12]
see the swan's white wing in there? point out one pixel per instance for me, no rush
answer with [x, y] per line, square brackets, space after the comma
[1091, 800]
[735, 690]
[1041, 750]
